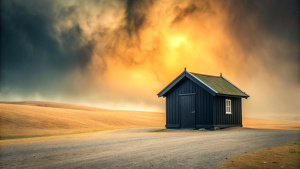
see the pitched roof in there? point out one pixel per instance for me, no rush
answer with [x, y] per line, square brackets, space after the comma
[221, 85]
[215, 85]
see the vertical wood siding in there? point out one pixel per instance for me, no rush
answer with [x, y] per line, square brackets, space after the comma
[220, 116]
[204, 103]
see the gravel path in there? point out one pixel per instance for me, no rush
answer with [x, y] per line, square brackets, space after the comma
[141, 148]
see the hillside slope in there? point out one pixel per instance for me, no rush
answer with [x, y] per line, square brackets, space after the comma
[32, 118]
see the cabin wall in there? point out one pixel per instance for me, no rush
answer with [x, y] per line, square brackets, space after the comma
[203, 107]
[222, 119]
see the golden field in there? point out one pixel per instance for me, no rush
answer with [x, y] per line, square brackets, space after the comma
[36, 118]
[271, 124]
[32, 118]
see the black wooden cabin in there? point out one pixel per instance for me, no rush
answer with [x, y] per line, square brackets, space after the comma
[202, 101]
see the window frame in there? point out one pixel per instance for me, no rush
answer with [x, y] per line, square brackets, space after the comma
[228, 106]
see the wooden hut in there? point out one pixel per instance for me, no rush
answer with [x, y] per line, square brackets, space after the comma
[202, 101]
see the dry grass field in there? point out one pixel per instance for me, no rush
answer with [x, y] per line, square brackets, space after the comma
[37, 118]
[32, 118]
[281, 156]
[271, 124]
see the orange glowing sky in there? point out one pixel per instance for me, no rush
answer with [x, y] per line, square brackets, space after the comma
[120, 54]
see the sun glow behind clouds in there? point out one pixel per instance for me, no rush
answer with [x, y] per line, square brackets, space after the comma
[176, 41]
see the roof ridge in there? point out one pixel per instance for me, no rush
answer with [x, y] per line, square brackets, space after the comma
[204, 74]
[203, 82]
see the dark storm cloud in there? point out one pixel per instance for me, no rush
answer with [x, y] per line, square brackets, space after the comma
[257, 24]
[184, 12]
[276, 17]
[136, 15]
[35, 58]
[117, 43]
[197, 6]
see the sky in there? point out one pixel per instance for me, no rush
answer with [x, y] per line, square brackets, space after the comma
[119, 54]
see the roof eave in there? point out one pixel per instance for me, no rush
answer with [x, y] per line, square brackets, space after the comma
[228, 95]
[236, 87]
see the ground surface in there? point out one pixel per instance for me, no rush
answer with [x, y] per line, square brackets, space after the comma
[281, 156]
[139, 148]
[126, 148]
[36, 118]
[271, 124]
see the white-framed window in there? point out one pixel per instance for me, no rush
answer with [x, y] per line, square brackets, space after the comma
[228, 106]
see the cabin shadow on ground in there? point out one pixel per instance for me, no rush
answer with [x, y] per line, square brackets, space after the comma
[202, 129]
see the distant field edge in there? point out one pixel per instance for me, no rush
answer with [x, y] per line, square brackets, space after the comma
[49, 135]
[285, 155]
[2, 138]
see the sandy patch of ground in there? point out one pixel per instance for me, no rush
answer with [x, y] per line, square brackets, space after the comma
[282, 156]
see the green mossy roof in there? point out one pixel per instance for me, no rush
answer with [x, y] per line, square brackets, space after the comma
[221, 85]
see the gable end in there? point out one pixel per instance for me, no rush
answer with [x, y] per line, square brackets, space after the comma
[192, 78]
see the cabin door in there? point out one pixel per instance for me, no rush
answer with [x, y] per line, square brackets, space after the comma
[187, 111]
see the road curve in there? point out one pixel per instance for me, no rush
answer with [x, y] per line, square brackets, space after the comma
[141, 148]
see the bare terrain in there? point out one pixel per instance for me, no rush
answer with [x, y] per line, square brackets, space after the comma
[89, 137]
[271, 124]
[35, 118]
[281, 156]
[139, 148]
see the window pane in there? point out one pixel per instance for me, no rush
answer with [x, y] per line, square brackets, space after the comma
[228, 106]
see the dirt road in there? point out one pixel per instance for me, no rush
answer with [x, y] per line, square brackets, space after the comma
[139, 148]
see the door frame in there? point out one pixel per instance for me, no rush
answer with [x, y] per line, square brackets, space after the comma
[180, 114]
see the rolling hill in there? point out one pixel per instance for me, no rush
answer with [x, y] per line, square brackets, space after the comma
[36, 118]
